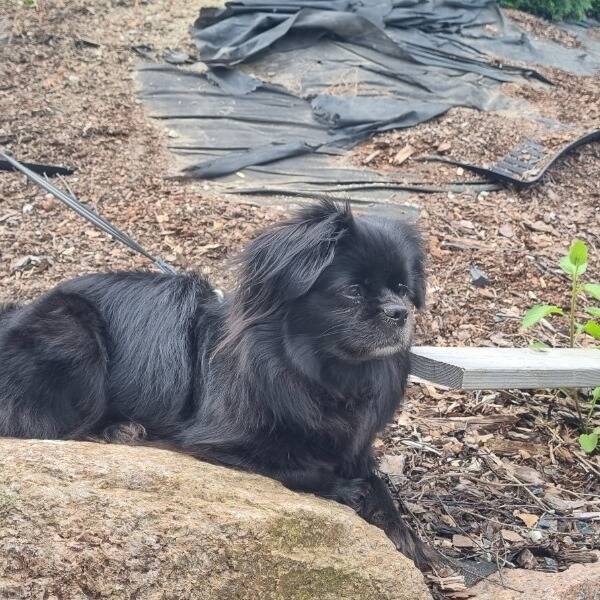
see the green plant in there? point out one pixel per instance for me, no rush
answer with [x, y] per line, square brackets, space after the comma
[574, 264]
[589, 441]
[557, 10]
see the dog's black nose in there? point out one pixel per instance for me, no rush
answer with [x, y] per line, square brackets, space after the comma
[396, 312]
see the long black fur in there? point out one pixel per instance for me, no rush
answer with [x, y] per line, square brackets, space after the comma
[292, 376]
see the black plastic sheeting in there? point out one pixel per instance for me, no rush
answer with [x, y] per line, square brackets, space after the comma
[458, 34]
[516, 171]
[40, 169]
[291, 85]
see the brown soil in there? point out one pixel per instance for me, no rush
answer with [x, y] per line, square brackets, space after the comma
[470, 465]
[65, 101]
[542, 29]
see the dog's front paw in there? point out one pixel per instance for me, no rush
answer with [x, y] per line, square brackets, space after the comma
[124, 433]
[351, 492]
[407, 542]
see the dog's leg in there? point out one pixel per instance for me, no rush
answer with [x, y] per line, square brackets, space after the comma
[53, 369]
[379, 509]
[128, 433]
[324, 483]
[372, 500]
[317, 480]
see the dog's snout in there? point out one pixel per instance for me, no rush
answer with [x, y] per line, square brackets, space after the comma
[395, 311]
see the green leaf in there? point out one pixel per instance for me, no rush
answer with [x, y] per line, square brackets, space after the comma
[575, 263]
[596, 394]
[592, 289]
[538, 345]
[536, 313]
[578, 253]
[567, 266]
[592, 328]
[588, 442]
[593, 310]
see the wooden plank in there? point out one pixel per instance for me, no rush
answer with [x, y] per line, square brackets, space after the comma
[507, 368]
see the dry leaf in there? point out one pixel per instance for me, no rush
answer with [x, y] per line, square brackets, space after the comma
[540, 226]
[524, 473]
[432, 392]
[462, 541]
[448, 520]
[498, 339]
[208, 248]
[511, 536]
[526, 559]
[392, 464]
[528, 475]
[434, 247]
[371, 156]
[563, 505]
[404, 154]
[453, 447]
[527, 518]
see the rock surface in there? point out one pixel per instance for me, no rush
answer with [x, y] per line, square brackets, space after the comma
[578, 582]
[82, 520]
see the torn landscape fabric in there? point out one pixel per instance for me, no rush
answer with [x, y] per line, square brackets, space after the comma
[289, 86]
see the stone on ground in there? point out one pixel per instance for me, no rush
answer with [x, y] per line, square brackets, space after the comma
[82, 520]
[578, 582]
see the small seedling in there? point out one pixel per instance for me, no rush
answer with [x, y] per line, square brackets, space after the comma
[574, 264]
[589, 441]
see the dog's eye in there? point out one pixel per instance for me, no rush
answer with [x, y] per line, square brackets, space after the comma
[402, 290]
[352, 291]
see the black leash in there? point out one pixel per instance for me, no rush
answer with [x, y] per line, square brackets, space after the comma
[88, 214]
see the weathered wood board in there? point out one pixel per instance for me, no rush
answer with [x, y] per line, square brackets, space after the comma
[507, 368]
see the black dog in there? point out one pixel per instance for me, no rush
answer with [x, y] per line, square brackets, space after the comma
[291, 377]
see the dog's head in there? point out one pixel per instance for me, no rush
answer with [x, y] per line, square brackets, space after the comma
[343, 284]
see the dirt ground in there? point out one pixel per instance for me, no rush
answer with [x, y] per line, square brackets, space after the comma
[492, 476]
[64, 101]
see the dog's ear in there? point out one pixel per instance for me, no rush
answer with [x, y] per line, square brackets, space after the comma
[284, 262]
[418, 282]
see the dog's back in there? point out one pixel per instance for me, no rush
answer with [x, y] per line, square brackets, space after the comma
[100, 349]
